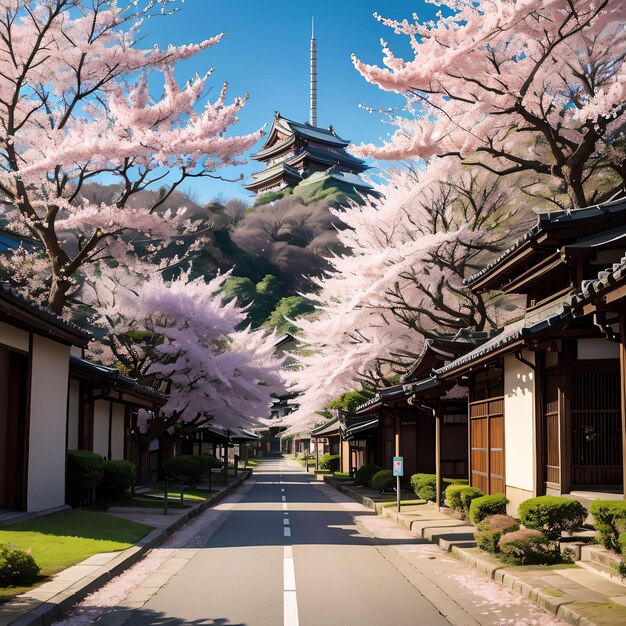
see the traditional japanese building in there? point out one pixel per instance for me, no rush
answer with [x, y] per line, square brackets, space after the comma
[294, 151]
[546, 406]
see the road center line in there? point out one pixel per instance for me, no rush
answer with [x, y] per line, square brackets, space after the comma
[286, 531]
[284, 499]
[285, 522]
[289, 575]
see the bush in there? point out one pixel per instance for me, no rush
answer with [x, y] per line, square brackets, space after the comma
[490, 529]
[342, 476]
[528, 546]
[208, 461]
[84, 472]
[552, 514]
[186, 467]
[459, 498]
[329, 462]
[610, 517]
[17, 568]
[364, 474]
[383, 480]
[117, 478]
[425, 486]
[483, 507]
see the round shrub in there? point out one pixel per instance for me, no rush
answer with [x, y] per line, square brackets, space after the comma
[489, 531]
[208, 461]
[528, 547]
[84, 472]
[610, 521]
[425, 486]
[552, 514]
[186, 467]
[17, 568]
[459, 498]
[364, 474]
[383, 480]
[329, 462]
[483, 507]
[117, 478]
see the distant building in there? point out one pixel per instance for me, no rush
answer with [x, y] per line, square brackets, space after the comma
[295, 153]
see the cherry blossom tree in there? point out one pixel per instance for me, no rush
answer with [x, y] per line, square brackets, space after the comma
[76, 104]
[183, 333]
[403, 279]
[535, 87]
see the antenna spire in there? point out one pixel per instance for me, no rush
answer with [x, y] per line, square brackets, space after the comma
[313, 93]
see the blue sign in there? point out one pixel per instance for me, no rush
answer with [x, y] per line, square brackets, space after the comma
[398, 466]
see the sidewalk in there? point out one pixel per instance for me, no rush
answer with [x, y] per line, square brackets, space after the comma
[572, 593]
[44, 604]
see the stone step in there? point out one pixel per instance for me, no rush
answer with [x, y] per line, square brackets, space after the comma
[597, 554]
[609, 572]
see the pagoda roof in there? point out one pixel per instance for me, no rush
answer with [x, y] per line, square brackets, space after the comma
[552, 231]
[329, 157]
[285, 126]
[276, 172]
[343, 178]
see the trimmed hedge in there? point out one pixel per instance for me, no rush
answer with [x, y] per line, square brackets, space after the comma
[459, 498]
[84, 472]
[208, 461]
[489, 531]
[383, 480]
[365, 473]
[329, 462]
[610, 518]
[425, 485]
[117, 478]
[484, 506]
[186, 467]
[17, 568]
[528, 546]
[552, 514]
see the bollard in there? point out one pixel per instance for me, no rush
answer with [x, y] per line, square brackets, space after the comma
[182, 487]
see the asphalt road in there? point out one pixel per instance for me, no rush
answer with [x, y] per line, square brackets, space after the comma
[290, 551]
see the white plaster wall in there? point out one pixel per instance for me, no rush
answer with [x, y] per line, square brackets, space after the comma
[519, 452]
[13, 337]
[73, 415]
[597, 349]
[101, 427]
[117, 433]
[48, 408]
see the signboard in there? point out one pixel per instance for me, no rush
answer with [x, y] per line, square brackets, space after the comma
[398, 466]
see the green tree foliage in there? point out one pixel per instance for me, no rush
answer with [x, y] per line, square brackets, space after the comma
[289, 308]
[260, 298]
[350, 400]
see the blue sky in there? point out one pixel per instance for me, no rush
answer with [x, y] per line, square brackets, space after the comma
[266, 54]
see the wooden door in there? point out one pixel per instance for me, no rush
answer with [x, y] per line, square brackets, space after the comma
[487, 445]
[596, 426]
[551, 429]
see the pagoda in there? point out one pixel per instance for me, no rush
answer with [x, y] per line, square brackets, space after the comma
[294, 151]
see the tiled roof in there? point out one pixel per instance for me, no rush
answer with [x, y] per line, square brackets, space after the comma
[28, 305]
[550, 222]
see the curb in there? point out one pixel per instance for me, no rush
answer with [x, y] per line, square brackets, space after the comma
[504, 575]
[52, 609]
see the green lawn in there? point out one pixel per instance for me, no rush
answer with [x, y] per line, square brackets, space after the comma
[64, 539]
[173, 492]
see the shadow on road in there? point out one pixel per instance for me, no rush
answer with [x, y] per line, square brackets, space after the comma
[147, 617]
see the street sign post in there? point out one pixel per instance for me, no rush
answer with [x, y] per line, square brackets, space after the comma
[398, 470]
